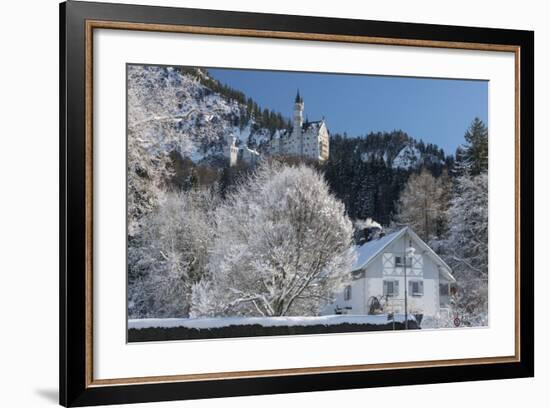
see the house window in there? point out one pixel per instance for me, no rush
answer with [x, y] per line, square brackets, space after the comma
[347, 292]
[443, 289]
[391, 288]
[416, 288]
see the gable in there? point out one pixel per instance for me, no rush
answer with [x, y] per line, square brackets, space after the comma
[383, 249]
[366, 253]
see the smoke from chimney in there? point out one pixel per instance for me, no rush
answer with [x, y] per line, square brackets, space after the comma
[367, 230]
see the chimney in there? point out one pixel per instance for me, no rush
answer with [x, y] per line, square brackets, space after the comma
[367, 234]
[368, 230]
[371, 233]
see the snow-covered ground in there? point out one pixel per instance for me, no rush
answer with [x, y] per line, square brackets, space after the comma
[216, 322]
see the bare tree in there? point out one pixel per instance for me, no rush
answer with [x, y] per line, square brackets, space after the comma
[423, 204]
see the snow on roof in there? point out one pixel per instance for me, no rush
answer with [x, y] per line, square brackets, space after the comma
[312, 125]
[287, 133]
[367, 251]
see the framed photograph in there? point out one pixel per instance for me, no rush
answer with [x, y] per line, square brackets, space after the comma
[256, 204]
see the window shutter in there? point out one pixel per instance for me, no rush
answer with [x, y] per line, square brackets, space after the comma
[421, 287]
[396, 288]
[385, 288]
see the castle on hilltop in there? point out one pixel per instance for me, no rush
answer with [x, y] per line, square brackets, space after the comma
[306, 139]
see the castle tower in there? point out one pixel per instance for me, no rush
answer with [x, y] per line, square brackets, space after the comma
[231, 151]
[298, 121]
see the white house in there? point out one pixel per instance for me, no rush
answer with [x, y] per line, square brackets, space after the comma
[307, 139]
[388, 264]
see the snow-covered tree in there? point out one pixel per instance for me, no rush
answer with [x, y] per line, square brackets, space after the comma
[423, 203]
[170, 254]
[282, 247]
[467, 249]
[154, 97]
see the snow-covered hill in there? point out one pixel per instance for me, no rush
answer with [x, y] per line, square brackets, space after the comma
[203, 120]
[402, 154]
[410, 157]
[205, 114]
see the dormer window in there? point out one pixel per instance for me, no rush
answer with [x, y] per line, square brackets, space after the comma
[399, 261]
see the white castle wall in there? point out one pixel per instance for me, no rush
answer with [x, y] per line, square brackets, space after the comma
[312, 143]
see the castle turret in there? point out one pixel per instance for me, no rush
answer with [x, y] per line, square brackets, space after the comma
[298, 121]
[231, 150]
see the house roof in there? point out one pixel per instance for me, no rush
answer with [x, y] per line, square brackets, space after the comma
[367, 252]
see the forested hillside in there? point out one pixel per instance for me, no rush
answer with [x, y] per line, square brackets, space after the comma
[368, 173]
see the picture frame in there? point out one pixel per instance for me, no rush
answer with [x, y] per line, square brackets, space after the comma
[79, 21]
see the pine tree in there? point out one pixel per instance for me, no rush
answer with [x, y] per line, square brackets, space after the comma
[476, 151]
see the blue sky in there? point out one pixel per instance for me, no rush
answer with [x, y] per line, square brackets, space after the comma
[435, 110]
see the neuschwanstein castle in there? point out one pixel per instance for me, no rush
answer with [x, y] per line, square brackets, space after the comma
[305, 139]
